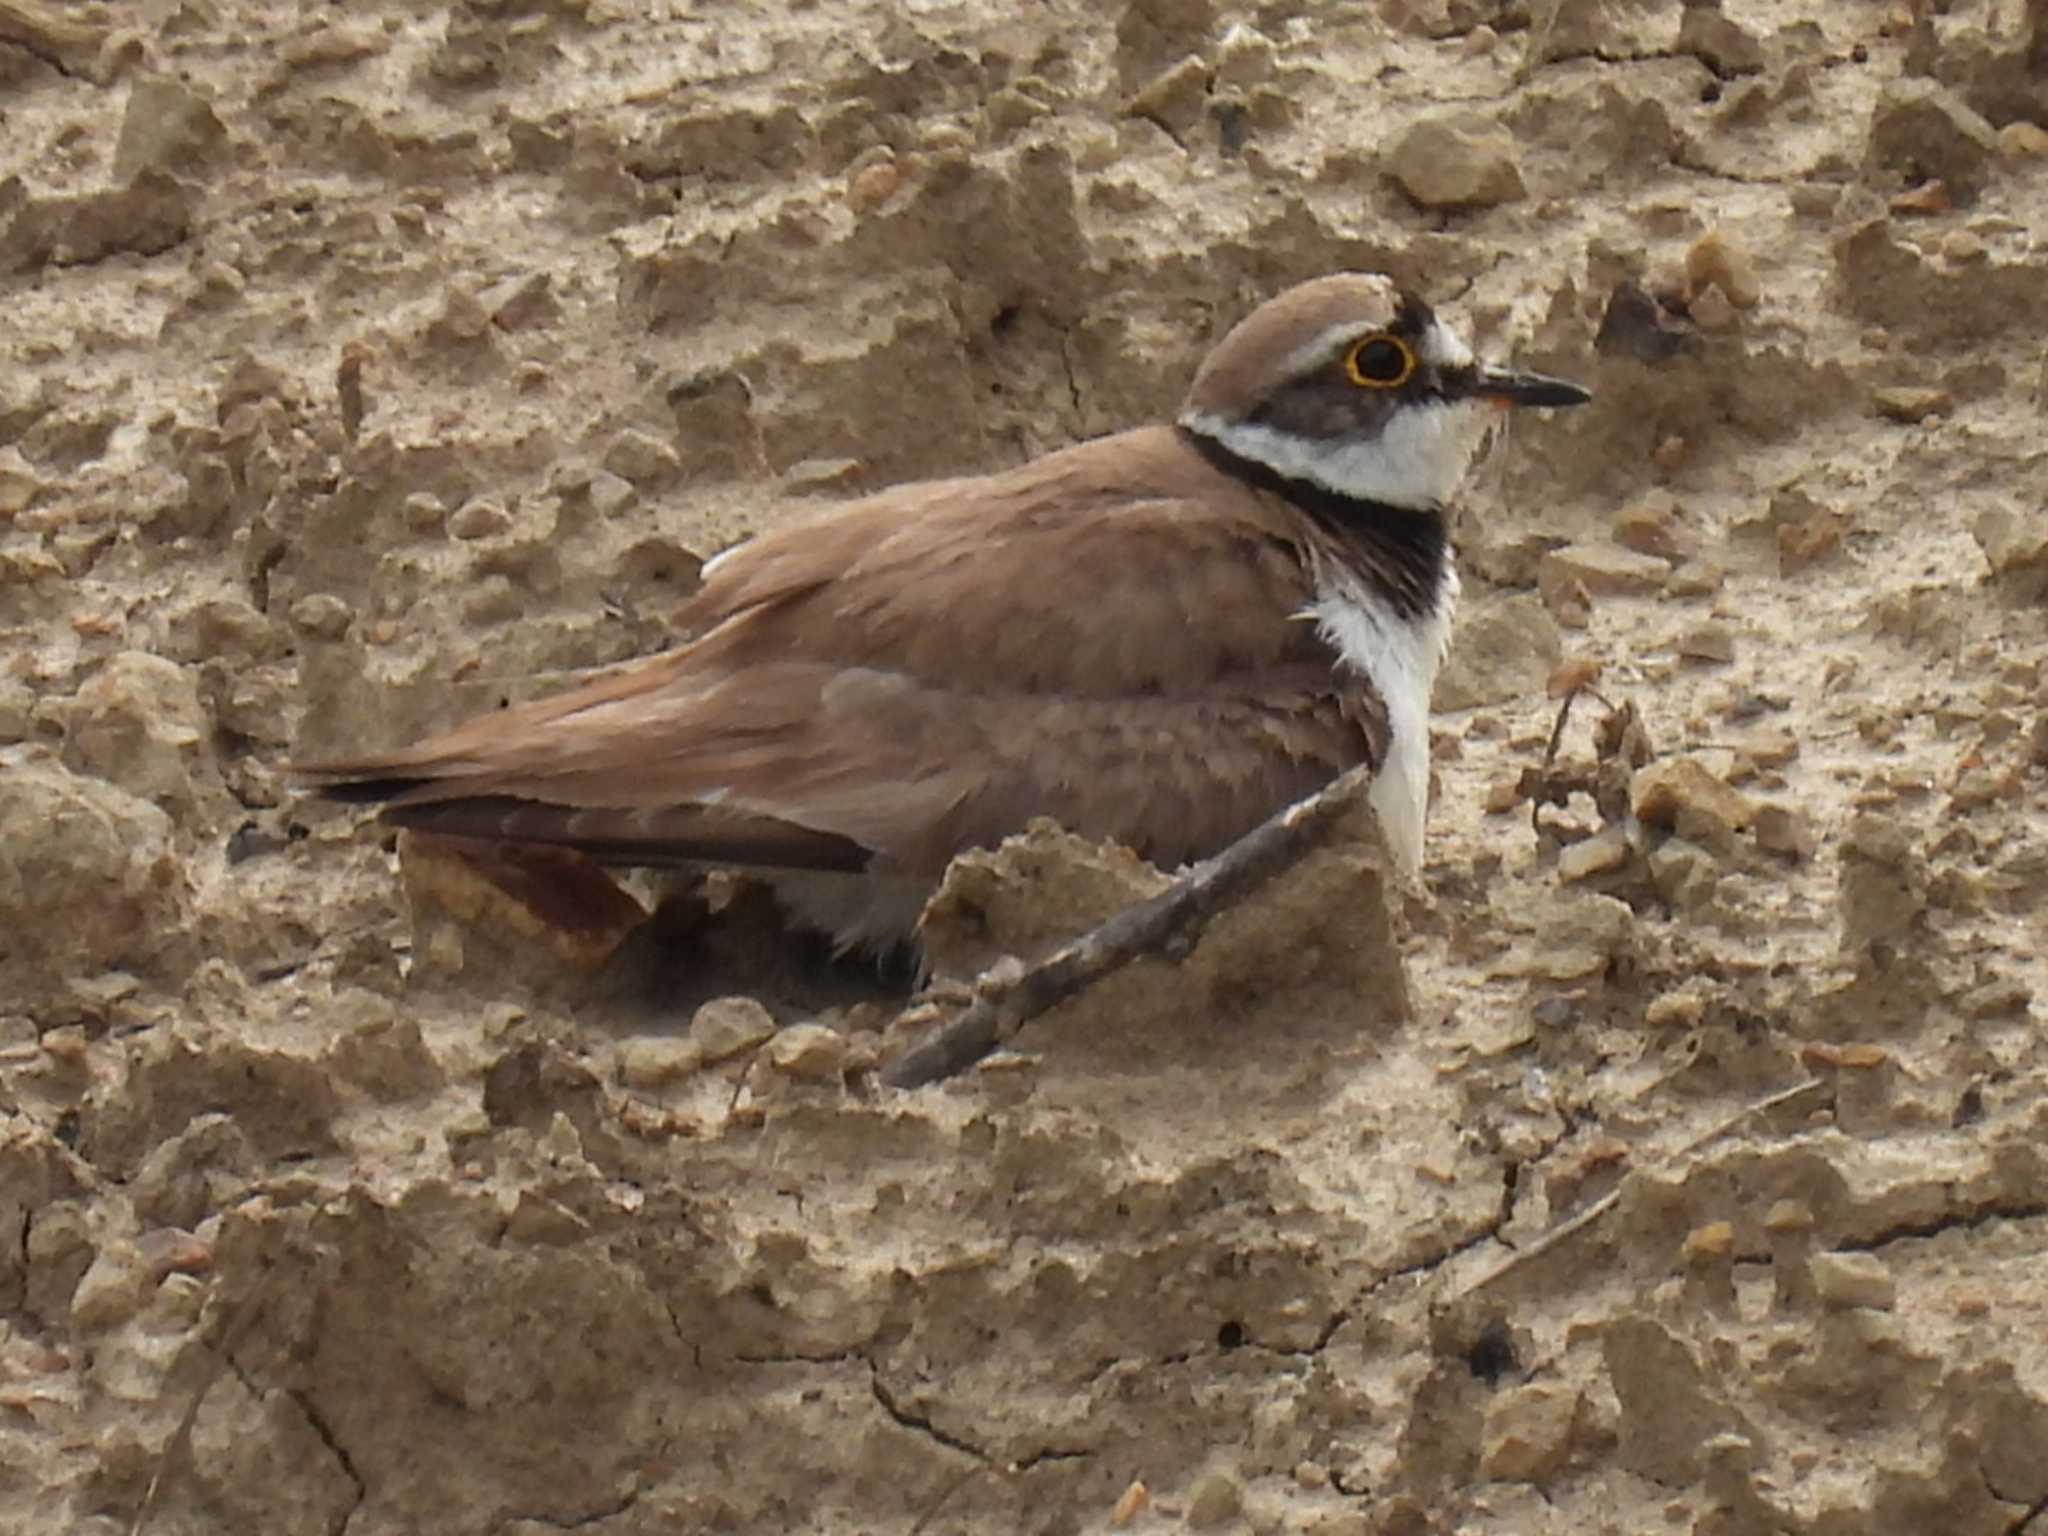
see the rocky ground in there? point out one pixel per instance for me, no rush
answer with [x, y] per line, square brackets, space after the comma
[364, 364]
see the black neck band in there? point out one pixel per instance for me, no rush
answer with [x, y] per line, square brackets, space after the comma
[1404, 548]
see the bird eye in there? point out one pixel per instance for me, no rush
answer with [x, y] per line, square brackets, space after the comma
[1380, 362]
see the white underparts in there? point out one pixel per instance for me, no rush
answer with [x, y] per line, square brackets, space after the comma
[1401, 657]
[863, 912]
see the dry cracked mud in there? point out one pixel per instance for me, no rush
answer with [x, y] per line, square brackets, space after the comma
[362, 365]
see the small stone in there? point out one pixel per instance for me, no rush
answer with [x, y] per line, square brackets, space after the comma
[1683, 795]
[1710, 1243]
[1244, 56]
[1456, 160]
[18, 482]
[1779, 829]
[726, 1026]
[1527, 1433]
[654, 1061]
[111, 1290]
[810, 1053]
[1711, 641]
[1217, 1498]
[1175, 98]
[642, 458]
[1601, 570]
[423, 511]
[1846, 1280]
[610, 494]
[1719, 42]
[1505, 649]
[1961, 247]
[1924, 201]
[1675, 1010]
[872, 185]
[1713, 261]
[1581, 935]
[1683, 872]
[1311, 1475]
[1669, 456]
[521, 303]
[1606, 850]
[478, 518]
[1009, 109]
[167, 126]
[1503, 795]
[322, 615]
[1926, 130]
[2022, 140]
[1711, 311]
[1130, 1504]
[173, 1251]
[2015, 545]
[1910, 404]
[1649, 526]
[138, 722]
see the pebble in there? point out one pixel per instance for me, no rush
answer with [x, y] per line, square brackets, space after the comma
[871, 185]
[1175, 98]
[1710, 641]
[1683, 795]
[1456, 161]
[1606, 850]
[654, 1061]
[322, 615]
[1683, 872]
[18, 482]
[810, 1053]
[1130, 1504]
[1527, 1432]
[1911, 404]
[166, 126]
[1926, 129]
[1846, 1280]
[1217, 1498]
[1719, 42]
[610, 494]
[1713, 261]
[1649, 526]
[1244, 56]
[423, 511]
[138, 722]
[1779, 829]
[173, 1251]
[1929, 198]
[522, 303]
[726, 1026]
[111, 1290]
[478, 518]
[1601, 570]
[2022, 140]
[642, 458]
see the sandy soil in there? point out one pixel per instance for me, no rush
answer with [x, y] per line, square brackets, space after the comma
[365, 364]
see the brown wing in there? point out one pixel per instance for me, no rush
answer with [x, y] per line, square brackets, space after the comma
[1107, 636]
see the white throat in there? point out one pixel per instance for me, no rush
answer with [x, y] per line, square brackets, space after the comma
[1401, 656]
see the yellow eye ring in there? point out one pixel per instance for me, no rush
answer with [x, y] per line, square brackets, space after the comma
[1380, 361]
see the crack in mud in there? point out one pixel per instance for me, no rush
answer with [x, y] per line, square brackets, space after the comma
[917, 1422]
[1954, 1221]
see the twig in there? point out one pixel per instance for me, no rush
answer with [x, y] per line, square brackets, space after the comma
[1592, 1213]
[1173, 919]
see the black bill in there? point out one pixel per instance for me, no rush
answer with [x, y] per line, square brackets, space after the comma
[1511, 388]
